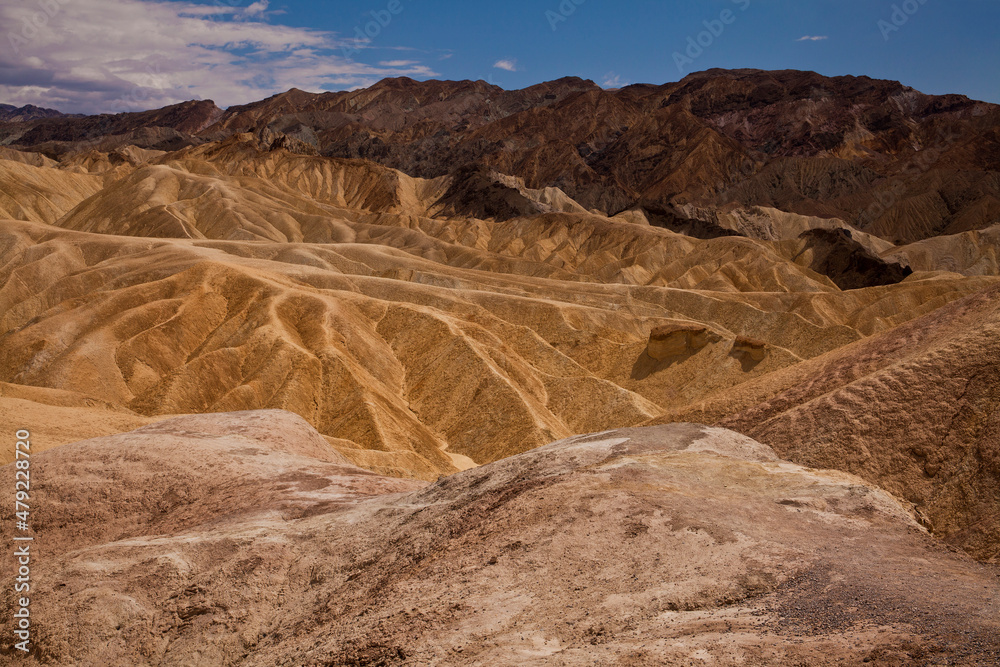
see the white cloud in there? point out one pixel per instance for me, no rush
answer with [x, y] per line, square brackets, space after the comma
[811, 38]
[612, 80]
[255, 9]
[126, 55]
[509, 65]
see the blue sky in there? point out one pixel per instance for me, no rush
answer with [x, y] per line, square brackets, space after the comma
[122, 55]
[951, 46]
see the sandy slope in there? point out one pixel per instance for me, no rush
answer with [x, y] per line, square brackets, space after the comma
[913, 410]
[57, 417]
[328, 288]
[43, 193]
[387, 352]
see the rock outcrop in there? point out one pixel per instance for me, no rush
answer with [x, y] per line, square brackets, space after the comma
[749, 351]
[677, 339]
[236, 539]
[850, 265]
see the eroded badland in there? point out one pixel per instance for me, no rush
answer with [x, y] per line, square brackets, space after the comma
[291, 372]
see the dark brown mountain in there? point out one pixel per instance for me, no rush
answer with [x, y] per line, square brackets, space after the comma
[849, 264]
[168, 128]
[876, 154]
[11, 114]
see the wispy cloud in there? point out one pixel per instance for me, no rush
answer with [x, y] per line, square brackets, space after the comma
[612, 80]
[255, 9]
[125, 55]
[812, 38]
[509, 65]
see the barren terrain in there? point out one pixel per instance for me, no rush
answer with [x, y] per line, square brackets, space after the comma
[292, 371]
[234, 539]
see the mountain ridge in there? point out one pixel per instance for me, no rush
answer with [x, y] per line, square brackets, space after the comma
[886, 159]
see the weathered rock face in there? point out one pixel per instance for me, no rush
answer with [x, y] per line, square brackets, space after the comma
[850, 265]
[476, 192]
[748, 351]
[754, 349]
[658, 216]
[669, 543]
[672, 340]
